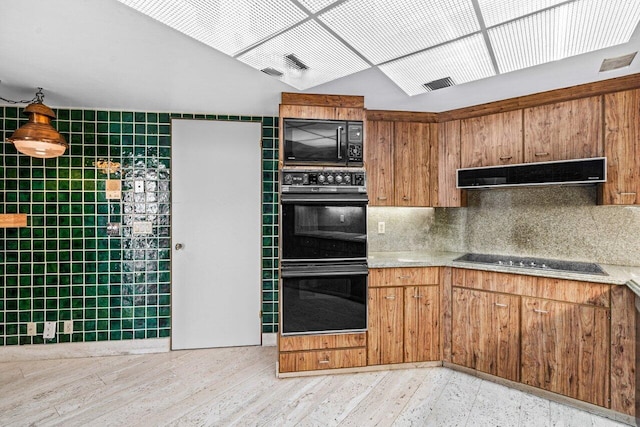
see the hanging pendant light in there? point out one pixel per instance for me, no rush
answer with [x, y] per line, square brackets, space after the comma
[37, 138]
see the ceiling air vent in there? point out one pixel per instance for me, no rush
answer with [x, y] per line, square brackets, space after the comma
[272, 72]
[618, 62]
[438, 84]
[294, 62]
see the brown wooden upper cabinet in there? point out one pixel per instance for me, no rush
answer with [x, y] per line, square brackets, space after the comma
[563, 131]
[379, 162]
[495, 139]
[622, 148]
[397, 159]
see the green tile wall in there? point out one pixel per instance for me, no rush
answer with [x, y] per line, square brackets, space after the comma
[64, 266]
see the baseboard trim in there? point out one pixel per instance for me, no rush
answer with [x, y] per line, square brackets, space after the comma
[270, 340]
[357, 370]
[83, 349]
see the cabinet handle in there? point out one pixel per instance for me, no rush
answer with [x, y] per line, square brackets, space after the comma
[323, 361]
[506, 157]
[382, 197]
[497, 304]
[403, 277]
[536, 310]
[541, 154]
[418, 296]
[628, 193]
[390, 297]
[406, 198]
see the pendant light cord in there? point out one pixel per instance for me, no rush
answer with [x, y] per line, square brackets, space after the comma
[37, 98]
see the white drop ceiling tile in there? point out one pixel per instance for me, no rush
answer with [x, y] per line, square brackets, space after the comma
[463, 61]
[229, 27]
[316, 5]
[385, 30]
[498, 11]
[326, 58]
[564, 31]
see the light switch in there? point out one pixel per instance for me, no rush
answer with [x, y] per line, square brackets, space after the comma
[138, 186]
[113, 189]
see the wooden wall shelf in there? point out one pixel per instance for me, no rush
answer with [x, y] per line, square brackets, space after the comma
[13, 220]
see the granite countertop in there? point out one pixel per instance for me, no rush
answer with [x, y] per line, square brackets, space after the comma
[616, 274]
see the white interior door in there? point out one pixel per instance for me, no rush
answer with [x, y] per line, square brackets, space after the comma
[216, 233]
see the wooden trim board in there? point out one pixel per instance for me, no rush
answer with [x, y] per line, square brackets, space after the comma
[342, 101]
[13, 220]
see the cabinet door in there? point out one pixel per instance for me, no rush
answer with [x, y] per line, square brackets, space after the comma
[622, 148]
[379, 162]
[445, 159]
[491, 140]
[485, 332]
[565, 349]
[411, 157]
[421, 323]
[385, 334]
[563, 131]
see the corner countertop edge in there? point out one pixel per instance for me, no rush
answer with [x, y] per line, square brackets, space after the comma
[616, 274]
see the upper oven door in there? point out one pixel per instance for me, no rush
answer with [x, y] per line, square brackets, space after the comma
[315, 142]
[324, 227]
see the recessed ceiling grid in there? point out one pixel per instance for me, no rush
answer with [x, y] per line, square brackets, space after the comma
[463, 61]
[312, 63]
[386, 30]
[228, 26]
[563, 31]
[305, 43]
[494, 11]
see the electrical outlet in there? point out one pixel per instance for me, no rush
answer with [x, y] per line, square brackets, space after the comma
[381, 227]
[49, 330]
[143, 227]
[31, 329]
[68, 326]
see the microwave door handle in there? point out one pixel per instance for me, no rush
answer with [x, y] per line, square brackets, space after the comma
[339, 143]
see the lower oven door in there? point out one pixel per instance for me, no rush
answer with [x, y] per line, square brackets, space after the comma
[324, 299]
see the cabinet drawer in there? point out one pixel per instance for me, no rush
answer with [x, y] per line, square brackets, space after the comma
[319, 342]
[402, 276]
[541, 287]
[322, 359]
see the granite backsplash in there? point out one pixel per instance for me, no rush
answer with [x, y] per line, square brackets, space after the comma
[553, 222]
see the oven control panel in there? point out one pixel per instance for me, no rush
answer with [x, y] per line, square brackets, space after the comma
[323, 178]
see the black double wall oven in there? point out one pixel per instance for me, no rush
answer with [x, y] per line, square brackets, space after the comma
[323, 251]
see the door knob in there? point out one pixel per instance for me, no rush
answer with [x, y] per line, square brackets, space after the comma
[179, 246]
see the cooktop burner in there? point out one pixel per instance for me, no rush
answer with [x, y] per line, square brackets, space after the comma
[534, 263]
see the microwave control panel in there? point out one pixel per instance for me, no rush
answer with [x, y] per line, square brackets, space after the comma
[339, 178]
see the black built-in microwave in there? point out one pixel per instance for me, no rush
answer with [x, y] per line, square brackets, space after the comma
[323, 142]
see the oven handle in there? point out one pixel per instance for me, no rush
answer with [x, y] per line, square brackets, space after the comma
[356, 271]
[339, 142]
[323, 200]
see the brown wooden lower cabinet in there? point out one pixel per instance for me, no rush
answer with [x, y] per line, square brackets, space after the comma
[565, 349]
[323, 351]
[404, 324]
[485, 331]
[421, 323]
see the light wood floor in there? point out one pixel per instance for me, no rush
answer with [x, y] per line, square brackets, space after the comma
[237, 386]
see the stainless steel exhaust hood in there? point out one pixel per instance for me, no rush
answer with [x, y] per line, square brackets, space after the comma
[567, 172]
